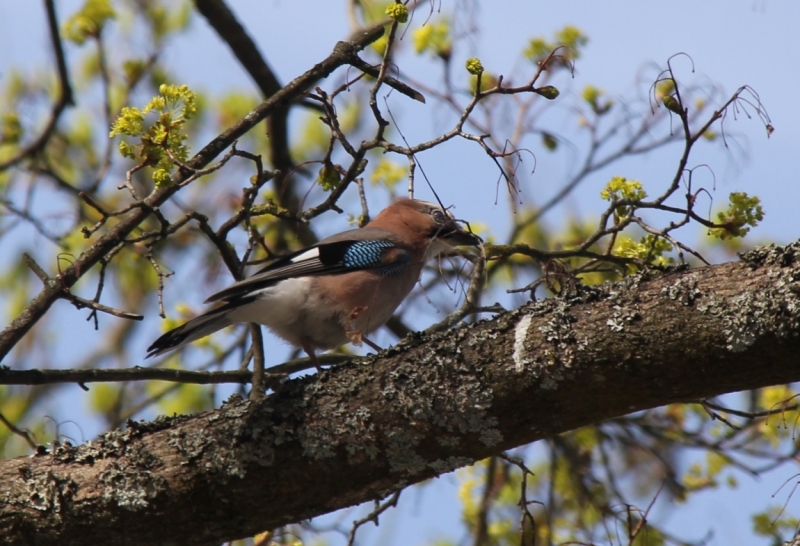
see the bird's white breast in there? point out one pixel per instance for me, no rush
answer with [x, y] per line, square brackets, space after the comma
[292, 311]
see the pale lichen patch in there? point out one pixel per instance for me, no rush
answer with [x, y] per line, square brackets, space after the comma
[129, 487]
[442, 466]
[520, 335]
[774, 310]
[45, 492]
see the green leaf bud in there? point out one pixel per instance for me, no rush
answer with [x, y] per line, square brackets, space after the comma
[672, 105]
[474, 66]
[548, 91]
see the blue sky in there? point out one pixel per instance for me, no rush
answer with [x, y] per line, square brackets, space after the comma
[731, 42]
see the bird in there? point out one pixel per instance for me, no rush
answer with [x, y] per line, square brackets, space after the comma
[338, 290]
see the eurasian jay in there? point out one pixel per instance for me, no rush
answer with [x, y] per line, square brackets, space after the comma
[338, 290]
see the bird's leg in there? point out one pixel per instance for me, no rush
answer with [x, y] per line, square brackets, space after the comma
[309, 349]
[371, 344]
[356, 336]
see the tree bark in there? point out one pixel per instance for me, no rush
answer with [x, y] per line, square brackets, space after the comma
[363, 430]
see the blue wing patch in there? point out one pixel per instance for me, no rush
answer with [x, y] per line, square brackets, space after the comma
[373, 255]
[327, 258]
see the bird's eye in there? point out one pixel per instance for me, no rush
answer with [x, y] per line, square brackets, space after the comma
[438, 216]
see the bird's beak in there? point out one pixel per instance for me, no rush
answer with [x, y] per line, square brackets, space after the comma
[455, 235]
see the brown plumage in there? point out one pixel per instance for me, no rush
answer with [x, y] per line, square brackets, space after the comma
[339, 290]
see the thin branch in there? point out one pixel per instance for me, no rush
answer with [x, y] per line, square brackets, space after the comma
[81, 303]
[491, 488]
[373, 516]
[25, 434]
[257, 390]
[394, 83]
[35, 222]
[36, 268]
[525, 513]
[470, 301]
[634, 532]
[44, 377]
[747, 414]
[80, 376]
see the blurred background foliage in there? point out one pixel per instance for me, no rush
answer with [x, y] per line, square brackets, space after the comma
[589, 486]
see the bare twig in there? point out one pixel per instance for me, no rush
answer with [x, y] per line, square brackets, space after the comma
[524, 503]
[394, 83]
[161, 276]
[35, 222]
[25, 434]
[81, 303]
[380, 508]
[633, 532]
[470, 304]
[746, 414]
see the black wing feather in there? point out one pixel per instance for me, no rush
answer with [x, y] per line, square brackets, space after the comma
[328, 260]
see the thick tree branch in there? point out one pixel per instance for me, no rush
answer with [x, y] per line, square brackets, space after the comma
[418, 410]
[342, 54]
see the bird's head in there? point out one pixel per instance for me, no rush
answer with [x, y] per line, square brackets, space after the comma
[427, 223]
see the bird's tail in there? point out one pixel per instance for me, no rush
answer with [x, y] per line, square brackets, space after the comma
[198, 327]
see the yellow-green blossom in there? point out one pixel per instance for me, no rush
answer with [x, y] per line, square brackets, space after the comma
[398, 12]
[592, 95]
[474, 66]
[573, 38]
[664, 88]
[621, 188]
[570, 38]
[88, 21]
[742, 211]
[388, 173]
[11, 129]
[174, 105]
[433, 37]
[328, 177]
[650, 250]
